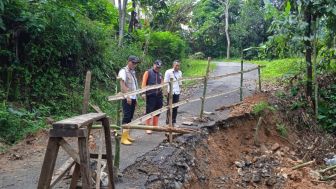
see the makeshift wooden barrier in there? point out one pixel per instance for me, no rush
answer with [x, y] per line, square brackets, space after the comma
[75, 127]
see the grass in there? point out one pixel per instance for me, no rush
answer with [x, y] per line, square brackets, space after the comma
[195, 68]
[279, 68]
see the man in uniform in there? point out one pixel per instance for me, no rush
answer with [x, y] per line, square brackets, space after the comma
[128, 83]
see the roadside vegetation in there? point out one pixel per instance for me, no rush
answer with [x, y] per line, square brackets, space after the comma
[47, 47]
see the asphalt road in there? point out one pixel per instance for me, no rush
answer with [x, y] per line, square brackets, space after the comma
[145, 142]
[24, 174]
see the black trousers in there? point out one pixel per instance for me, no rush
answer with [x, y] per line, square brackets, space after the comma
[128, 111]
[153, 102]
[176, 98]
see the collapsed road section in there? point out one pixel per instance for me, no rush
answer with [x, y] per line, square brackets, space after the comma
[232, 153]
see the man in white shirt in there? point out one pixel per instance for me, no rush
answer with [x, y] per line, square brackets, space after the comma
[176, 74]
[128, 83]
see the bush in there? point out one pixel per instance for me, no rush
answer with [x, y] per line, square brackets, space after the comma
[198, 56]
[166, 46]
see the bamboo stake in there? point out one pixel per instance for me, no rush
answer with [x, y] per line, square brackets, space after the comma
[86, 92]
[171, 109]
[205, 88]
[328, 177]
[303, 165]
[117, 137]
[241, 76]
[259, 76]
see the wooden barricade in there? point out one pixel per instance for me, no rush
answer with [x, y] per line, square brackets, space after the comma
[75, 127]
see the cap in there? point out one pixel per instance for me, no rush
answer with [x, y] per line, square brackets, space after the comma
[134, 59]
[158, 63]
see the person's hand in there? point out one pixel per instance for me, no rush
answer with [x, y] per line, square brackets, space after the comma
[143, 96]
[129, 101]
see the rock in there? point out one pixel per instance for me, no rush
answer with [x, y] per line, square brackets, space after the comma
[247, 177]
[275, 147]
[295, 176]
[178, 185]
[271, 181]
[239, 164]
[256, 177]
[240, 172]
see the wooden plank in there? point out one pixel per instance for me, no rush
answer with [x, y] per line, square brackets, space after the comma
[79, 121]
[75, 177]
[68, 133]
[84, 162]
[86, 92]
[109, 155]
[49, 163]
[68, 149]
[59, 173]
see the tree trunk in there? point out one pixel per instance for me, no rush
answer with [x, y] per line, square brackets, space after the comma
[122, 18]
[132, 20]
[227, 4]
[308, 46]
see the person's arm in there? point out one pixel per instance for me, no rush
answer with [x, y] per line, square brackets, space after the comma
[124, 88]
[144, 83]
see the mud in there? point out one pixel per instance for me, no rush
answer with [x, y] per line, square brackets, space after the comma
[225, 155]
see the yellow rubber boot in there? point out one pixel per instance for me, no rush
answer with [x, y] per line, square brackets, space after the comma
[129, 137]
[148, 122]
[124, 139]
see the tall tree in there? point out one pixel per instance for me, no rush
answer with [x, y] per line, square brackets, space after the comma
[122, 20]
[228, 41]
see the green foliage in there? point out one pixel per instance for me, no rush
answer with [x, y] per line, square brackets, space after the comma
[16, 124]
[191, 67]
[279, 68]
[327, 108]
[262, 106]
[282, 130]
[166, 46]
[197, 55]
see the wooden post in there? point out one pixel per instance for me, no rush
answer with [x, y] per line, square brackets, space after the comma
[259, 78]
[109, 155]
[241, 76]
[205, 88]
[171, 108]
[86, 92]
[84, 162]
[49, 163]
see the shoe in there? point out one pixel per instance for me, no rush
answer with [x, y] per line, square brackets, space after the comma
[129, 137]
[124, 139]
[149, 132]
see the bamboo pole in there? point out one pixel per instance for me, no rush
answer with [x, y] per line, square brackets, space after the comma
[100, 151]
[86, 92]
[303, 165]
[171, 108]
[166, 108]
[121, 96]
[160, 128]
[241, 76]
[259, 76]
[205, 88]
[117, 136]
[315, 70]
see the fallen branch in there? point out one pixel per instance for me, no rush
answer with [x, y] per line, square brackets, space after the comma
[328, 177]
[303, 165]
[327, 169]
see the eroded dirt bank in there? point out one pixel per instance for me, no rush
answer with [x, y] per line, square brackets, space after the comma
[229, 154]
